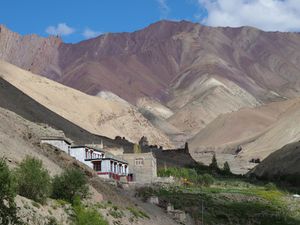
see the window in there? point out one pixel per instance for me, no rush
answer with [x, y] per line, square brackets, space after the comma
[97, 166]
[139, 162]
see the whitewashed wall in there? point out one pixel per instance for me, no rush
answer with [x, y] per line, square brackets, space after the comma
[79, 154]
[60, 144]
[105, 166]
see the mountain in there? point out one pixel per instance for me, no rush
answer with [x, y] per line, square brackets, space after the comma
[20, 137]
[162, 58]
[256, 131]
[95, 114]
[198, 72]
[173, 82]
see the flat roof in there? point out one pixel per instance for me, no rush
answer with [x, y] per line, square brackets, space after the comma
[84, 146]
[118, 160]
[53, 138]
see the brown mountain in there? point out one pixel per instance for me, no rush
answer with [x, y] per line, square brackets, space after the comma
[186, 66]
[180, 75]
[96, 114]
[162, 59]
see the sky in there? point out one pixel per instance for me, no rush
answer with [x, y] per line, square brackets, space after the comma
[77, 20]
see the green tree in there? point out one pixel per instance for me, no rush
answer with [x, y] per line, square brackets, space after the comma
[186, 147]
[226, 168]
[8, 209]
[137, 148]
[214, 163]
[33, 180]
[68, 185]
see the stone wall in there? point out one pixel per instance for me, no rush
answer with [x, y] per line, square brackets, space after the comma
[143, 166]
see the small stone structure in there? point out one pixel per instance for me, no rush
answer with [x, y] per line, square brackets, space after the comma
[177, 215]
[61, 143]
[143, 166]
[153, 200]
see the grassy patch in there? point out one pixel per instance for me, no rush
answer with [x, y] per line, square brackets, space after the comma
[137, 213]
[229, 200]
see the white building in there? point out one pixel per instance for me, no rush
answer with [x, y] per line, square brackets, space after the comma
[105, 164]
[61, 143]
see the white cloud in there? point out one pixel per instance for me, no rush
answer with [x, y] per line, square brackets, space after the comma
[269, 15]
[62, 29]
[163, 8]
[89, 33]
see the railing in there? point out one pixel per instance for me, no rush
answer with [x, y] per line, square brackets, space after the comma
[92, 158]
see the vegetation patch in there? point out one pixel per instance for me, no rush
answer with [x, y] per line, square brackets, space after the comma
[229, 199]
[69, 184]
[85, 215]
[33, 180]
[8, 209]
[137, 213]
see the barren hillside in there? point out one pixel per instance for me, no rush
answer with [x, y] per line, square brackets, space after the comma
[198, 72]
[95, 114]
[257, 131]
[20, 137]
[171, 81]
[281, 165]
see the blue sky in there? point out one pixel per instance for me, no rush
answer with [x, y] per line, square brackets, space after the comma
[76, 20]
[98, 16]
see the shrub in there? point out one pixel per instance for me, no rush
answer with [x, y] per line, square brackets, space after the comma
[270, 187]
[187, 175]
[69, 184]
[33, 181]
[207, 179]
[138, 213]
[86, 216]
[52, 221]
[8, 209]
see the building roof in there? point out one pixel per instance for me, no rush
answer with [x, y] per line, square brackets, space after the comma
[59, 138]
[85, 146]
[108, 155]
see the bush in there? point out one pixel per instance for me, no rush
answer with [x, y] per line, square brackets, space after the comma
[188, 175]
[207, 180]
[270, 187]
[86, 216]
[33, 181]
[69, 184]
[138, 213]
[8, 209]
